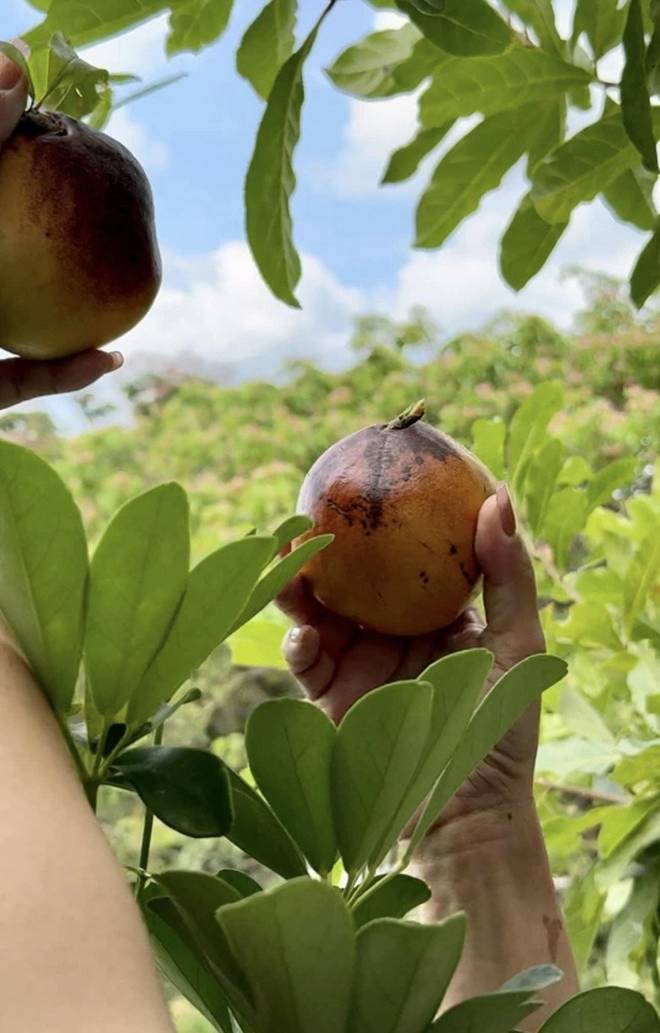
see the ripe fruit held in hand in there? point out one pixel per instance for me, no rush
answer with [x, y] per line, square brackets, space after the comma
[79, 261]
[402, 500]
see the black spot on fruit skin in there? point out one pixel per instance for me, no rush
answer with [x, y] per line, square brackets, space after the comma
[470, 578]
[423, 577]
[452, 550]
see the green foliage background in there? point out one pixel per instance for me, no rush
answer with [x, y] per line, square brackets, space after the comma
[582, 458]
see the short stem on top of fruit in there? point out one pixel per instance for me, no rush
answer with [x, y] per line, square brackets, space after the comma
[411, 415]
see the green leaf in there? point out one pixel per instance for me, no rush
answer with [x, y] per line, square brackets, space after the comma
[138, 576]
[618, 474]
[377, 751]
[635, 101]
[148, 89]
[609, 1009]
[180, 963]
[547, 132]
[19, 58]
[542, 474]
[267, 44]
[402, 973]
[506, 702]
[217, 591]
[521, 75]
[576, 470]
[640, 578]
[490, 1013]
[258, 833]
[367, 68]
[630, 931]
[602, 23]
[582, 167]
[394, 899]
[296, 945]
[529, 427]
[197, 897]
[194, 24]
[241, 881]
[289, 745]
[631, 198]
[259, 643]
[527, 243]
[43, 569]
[291, 528]
[646, 274]
[92, 20]
[186, 789]
[271, 180]
[620, 822]
[279, 576]
[564, 518]
[405, 161]
[472, 168]
[462, 29]
[488, 443]
[583, 908]
[457, 681]
[539, 977]
[72, 86]
[539, 16]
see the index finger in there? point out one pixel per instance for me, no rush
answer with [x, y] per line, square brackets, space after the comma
[13, 96]
[23, 379]
[298, 602]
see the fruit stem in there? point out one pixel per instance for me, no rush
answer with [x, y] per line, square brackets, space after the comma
[409, 416]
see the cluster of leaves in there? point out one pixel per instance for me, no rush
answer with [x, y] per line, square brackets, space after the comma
[504, 61]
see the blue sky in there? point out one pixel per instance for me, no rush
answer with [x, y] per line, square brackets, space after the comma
[195, 140]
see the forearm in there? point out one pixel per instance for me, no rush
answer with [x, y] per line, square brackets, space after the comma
[72, 941]
[495, 868]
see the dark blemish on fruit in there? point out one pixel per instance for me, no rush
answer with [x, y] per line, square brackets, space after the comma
[452, 550]
[419, 460]
[423, 577]
[470, 578]
[510, 816]
[424, 441]
[342, 512]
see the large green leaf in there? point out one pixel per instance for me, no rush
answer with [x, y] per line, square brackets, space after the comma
[393, 899]
[641, 576]
[271, 180]
[539, 15]
[87, 22]
[610, 1009]
[405, 161]
[217, 591]
[635, 100]
[542, 474]
[259, 834]
[630, 929]
[289, 745]
[66, 82]
[547, 132]
[377, 751]
[529, 426]
[565, 516]
[462, 29]
[521, 75]
[473, 167]
[582, 167]
[43, 569]
[618, 474]
[491, 1013]
[367, 68]
[602, 22]
[457, 681]
[527, 243]
[267, 44]
[195, 24]
[272, 583]
[506, 702]
[197, 897]
[181, 964]
[138, 576]
[187, 789]
[631, 198]
[646, 274]
[488, 443]
[402, 973]
[296, 945]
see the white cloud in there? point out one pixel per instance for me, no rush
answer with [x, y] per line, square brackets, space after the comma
[374, 129]
[214, 310]
[388, 20]
[141, 51]
[150, 152]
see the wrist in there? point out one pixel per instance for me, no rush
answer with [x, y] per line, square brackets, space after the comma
[494, 830]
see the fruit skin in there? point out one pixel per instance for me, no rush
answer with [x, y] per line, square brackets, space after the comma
[402, 502]
[79, 260]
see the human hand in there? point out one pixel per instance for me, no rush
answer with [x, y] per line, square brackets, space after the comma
[337, 662]
[23, 379]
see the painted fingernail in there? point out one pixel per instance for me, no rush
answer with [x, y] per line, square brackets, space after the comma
[506, 511]
[117, 360]
[10, 73]
[294, 637]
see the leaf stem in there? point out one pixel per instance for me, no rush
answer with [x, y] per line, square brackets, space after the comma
[147, 830]
[583, 792]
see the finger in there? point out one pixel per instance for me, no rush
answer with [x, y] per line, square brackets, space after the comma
[298, 603]
[22, 379]
[371, 661]
[13, 96]
[510, 600]
[310, 664]
[417, 655]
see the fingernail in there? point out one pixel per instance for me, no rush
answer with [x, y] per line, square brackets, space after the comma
[10, 73]
[506, 511]
[117, 360]
[294, 636]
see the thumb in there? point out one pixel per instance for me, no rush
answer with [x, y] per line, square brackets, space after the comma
[13, 96]
[509, 590]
